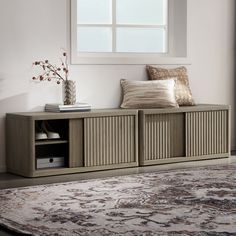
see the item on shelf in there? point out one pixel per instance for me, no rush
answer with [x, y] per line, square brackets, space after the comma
[183, 92]
[54, 107]
[39, 133]
[50, 162]
[49, 131]
[69, 92]
[148, 94]
[60, 74]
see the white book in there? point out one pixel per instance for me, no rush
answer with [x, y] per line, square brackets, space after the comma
[57, 107]
[58, 111]
[68, 109]
[60, 106]
[72, 109]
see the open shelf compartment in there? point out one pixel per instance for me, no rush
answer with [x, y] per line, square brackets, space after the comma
[52, 153]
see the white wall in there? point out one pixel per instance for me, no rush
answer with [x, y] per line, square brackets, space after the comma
[37, 29]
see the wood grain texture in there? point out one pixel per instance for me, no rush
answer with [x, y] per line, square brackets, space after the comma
[114, 138]
[164, 136]
[207, 133]
[21, 130]
[63, 171]
[76, 143]
[183, 159]
[20, 149]
[189, 133]
[109, 140]
[75, 115]
[111, 112]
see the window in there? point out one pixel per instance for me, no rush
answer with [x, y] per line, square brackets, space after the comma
[132, 26]
[120, 31]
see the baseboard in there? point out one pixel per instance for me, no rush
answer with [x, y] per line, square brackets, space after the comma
[3, 169]
[233, 148]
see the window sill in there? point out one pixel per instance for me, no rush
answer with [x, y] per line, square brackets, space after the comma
[130, 60]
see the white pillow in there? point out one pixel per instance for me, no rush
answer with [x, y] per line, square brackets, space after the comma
[148, 94]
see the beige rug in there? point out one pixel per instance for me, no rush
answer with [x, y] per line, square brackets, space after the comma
[196, 202]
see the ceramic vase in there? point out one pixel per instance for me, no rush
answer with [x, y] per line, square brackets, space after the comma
[69, 92]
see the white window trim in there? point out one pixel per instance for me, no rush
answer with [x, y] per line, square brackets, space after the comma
[119, 58]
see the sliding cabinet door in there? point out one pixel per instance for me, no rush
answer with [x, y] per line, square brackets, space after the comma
[162, 137]
[109, 140]
[207, 133]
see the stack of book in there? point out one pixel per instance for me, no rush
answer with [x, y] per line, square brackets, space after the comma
[67, 108]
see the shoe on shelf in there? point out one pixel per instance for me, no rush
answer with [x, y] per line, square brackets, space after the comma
[49, 131]
[39, 134]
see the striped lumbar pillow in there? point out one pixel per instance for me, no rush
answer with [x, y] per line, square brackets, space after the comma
[148, 94]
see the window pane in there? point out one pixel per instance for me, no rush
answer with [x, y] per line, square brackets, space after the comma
[94, 11]
[150, 40]
[94, 39]
[141, 11]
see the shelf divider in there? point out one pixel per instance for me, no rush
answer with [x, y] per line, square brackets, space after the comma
[50, 141]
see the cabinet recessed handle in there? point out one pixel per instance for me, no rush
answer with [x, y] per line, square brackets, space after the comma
[51, 160]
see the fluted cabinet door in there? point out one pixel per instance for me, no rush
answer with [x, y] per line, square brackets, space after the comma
[109, 140]
[207, 133]
[164, 136]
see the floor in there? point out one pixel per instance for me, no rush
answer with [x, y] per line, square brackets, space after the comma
[11, 181]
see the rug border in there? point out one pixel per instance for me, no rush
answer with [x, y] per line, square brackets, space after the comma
[8, 226]
[111, 177]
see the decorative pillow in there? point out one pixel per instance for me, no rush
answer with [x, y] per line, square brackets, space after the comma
[182, 90]
[148, 94]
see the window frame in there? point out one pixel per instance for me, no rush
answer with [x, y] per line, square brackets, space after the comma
[113, 58]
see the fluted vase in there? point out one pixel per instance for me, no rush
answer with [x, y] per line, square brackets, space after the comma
[69, 92]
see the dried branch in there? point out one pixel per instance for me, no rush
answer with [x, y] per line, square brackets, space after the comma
[51, 72]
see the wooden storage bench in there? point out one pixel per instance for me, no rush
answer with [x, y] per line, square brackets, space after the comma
[89, 141]
[116, 138]
[184, 134]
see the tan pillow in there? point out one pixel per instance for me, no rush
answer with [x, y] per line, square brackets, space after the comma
[148, 94]
[182, 90]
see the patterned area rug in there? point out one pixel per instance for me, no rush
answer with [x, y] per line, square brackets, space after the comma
[196, 202]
